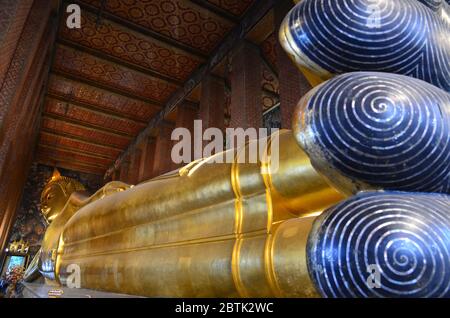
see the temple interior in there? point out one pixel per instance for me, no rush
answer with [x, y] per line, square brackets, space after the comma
[119, 85]
[91, 92]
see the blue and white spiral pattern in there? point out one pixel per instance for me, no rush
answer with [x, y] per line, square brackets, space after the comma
[395, 36]
[405, 237]
[434, 5]
[368, 131]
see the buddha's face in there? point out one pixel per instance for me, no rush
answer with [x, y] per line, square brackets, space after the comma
[53, 200]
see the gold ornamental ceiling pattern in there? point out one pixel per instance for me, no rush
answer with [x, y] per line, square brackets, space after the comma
[181, 20]
[113, 40]
[101, 99]
[111, 77]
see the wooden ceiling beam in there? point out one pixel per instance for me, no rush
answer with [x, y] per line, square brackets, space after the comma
[79, 167]
[105, 87]
[248, 22]
[89, 126]
[135, 27]
[85, 141]
[79, 138]
[96, 109]
[118, 61]
[94, 90]
[74, 151]
[224, 14]
[42, 154]
[71, 157]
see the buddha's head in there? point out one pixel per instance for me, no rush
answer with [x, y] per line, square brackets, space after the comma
[56, 193]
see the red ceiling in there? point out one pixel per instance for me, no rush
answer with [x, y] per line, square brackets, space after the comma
[64, 128]
[50, 139]
[94, 118]
[114, 40]
[101, 99]
[110, 77]
[180, 20]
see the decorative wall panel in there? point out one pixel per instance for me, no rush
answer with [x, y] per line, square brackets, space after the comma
[30, 225]
[12, 20]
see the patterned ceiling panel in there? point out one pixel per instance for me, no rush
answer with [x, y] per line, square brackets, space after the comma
[59, 154]
[269, 50]
[58, 126]
[56, 141]
[235, 7]
[82, 114]
[115, 40]
[180, 20]
[115, 73]
[91, 95]
[87, 66]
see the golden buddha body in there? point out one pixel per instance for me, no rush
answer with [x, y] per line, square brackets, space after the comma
[206, 230]
[243, 230]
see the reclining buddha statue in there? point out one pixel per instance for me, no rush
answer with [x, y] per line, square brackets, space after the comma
[358, 207]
